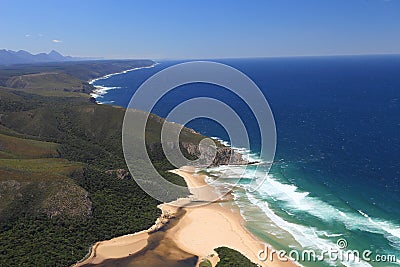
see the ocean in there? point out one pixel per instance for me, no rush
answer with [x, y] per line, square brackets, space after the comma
[336, 173]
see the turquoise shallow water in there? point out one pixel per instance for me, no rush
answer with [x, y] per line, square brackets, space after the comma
[291, 218]
[336, 172]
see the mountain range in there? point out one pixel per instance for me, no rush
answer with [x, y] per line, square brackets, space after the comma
[9, 57]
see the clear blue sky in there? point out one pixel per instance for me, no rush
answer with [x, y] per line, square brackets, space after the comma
[201, 29]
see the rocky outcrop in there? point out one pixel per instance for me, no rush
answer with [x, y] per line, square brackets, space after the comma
[68, 200]
[10, 190]
[119, 173]
[164, 219]
[217, 155]
[207, 155]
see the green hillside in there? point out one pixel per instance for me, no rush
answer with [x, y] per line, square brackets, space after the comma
[50, 84]
[59, 152]
[57, 194]
[14, 147]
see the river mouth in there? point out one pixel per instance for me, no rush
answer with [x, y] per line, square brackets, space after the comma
[160, 251]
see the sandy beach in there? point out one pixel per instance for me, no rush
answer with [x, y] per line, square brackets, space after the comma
[118, 247]
[198, 231]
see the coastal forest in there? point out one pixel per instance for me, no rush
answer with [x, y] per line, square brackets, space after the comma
[64, 183]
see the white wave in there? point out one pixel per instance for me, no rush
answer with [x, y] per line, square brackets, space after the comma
[100, 91]
[389, 227]
[324, 233]
[247, 154]
[105, 102]
[297, 231]
[121, 72]
[296, 200]
[363, 214]
[307, 237]
[225, 171]
[225, 143]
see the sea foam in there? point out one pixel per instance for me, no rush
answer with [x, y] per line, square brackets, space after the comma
[294, 200]
[101, 90]
[306, 236]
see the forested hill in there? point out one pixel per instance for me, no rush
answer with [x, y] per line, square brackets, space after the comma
[64, 183]
[63, 180]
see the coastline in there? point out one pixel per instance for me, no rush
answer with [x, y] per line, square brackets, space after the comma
[101, 90]
[198, 230]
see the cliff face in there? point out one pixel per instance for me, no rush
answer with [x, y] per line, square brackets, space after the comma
[206, 154]
[218, 156]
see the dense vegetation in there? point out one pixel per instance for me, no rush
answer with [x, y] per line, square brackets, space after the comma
[231, 258]
[59, 193]
[55, 149]
[119, 207]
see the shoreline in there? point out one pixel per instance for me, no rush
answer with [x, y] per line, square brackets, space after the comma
[224, 228]
[99, 91]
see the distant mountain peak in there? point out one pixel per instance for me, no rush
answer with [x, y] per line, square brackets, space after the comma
[54, 52]
[9, 57]
[57, 56]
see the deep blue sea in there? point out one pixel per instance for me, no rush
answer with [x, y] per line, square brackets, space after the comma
[337, 165]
